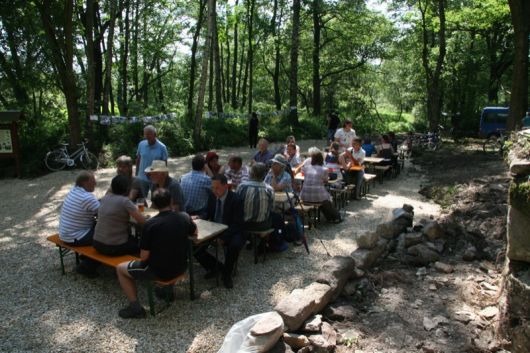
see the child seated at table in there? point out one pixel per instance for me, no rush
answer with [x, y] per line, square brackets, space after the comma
[332, 161]
[351, 162]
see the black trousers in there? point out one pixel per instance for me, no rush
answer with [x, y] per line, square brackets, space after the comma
[233, 243]
[253, 137]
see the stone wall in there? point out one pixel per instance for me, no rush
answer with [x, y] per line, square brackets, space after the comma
[515, 303]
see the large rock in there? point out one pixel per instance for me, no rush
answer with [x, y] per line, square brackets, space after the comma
[410, 239]
[388, 230]
[268, 324]
[365, 258]
[433, 230]
[367, 240]
[301, 303]
[313, 324]
[319, 344]
[336, 273]
[520, 167]
[518, 239]
[420, 255]
[329, 334]
[296, 341]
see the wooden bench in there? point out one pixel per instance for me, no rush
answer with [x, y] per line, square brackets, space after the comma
[380, 170]
[368, 179]
[112, 261]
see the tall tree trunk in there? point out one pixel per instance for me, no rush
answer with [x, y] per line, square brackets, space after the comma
[124, 61]
[91, 73]
[234, 62]
[520, 10]
[108, 59]
[317, 27]
[62, 52]
[293, 76]
[250, 58]
[160, 89]
[240, 75]
[276, 25]
[217, 64]
[226, 79]
[98, 60]
[433, 76]
[146, 71]
[193, 64]
[135, 49]
[204, 75]
[210, 81]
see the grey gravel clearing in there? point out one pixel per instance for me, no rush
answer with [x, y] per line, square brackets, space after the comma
[44, 311]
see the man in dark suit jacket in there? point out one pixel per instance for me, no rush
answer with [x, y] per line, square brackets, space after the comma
[224, 206]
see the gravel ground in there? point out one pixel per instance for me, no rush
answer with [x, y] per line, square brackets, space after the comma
[73, 314]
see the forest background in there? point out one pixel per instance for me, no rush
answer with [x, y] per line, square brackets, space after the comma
[397, 65]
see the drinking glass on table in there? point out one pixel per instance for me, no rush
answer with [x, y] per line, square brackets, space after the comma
[140, 203]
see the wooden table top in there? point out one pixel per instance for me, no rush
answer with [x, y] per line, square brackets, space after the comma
[374, 160]
[206, 229]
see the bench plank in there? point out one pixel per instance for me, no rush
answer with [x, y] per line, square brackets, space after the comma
[92, 253]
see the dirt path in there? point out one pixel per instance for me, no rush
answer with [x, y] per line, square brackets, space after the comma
[71, 314]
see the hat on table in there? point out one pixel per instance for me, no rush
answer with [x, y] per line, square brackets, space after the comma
[157, 166]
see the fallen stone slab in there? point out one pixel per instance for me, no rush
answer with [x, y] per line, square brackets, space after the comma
[367, 240]
[442, 267]
[520, 167]
[313, 324]
[388, 230]
[410, 239]
[329, 334]
[339, 312]
[365, 258]
[518, 239]
[301, 303]
[433, 230]
[420, 255]
[296, 341]
[336, 272]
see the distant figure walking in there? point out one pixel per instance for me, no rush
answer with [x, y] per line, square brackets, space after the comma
[253, 126]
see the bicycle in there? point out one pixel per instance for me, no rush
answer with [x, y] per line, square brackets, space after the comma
[59, 158]
[495, 143]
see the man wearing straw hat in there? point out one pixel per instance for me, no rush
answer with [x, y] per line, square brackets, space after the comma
[159, 175]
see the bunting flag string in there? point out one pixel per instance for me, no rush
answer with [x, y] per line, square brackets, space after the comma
[113, 120]
[223, 115]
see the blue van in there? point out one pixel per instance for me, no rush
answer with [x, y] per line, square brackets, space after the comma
[492, 120]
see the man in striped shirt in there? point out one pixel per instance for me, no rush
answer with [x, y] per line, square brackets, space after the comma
[258, 199]
[77, 220]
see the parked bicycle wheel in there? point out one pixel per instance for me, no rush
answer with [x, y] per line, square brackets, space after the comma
[492, 145]
[89, 161]
[55, 160]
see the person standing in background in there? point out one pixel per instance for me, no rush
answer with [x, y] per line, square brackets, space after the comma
[253, 127]
[333, 124]
[149, 150]
[345, 136]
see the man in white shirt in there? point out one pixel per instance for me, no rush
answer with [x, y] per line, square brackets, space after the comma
[77, 220]
[345, 135]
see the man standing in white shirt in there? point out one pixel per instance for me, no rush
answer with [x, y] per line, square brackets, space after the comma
[345, 136]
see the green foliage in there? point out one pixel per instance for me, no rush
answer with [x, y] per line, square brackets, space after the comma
[520, 196]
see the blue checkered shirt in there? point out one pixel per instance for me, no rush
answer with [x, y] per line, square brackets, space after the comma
[196, 187]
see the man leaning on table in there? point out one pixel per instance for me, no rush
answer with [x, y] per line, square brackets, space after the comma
[163, 251]
[224, 206]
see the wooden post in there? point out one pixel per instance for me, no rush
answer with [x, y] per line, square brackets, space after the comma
[9, 145]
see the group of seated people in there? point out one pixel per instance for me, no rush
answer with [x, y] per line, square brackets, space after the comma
[233, 194]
